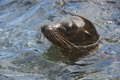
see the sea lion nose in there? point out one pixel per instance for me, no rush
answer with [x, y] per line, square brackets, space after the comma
[46, 28]
[43, 28]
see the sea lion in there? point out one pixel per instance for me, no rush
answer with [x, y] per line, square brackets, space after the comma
[74, 35]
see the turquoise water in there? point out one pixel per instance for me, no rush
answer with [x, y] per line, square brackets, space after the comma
[26, 55]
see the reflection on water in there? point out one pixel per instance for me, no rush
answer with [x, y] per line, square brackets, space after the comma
[26, 55]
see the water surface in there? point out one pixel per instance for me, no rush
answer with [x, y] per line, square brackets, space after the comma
[25, 55]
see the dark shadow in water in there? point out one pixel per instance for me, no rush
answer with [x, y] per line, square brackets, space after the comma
[66, 56]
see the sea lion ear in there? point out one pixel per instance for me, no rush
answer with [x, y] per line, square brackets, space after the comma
[86, 32]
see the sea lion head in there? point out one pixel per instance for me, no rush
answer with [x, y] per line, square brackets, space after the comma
[71, 32]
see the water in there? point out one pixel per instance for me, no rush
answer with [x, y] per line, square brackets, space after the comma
[25, 55]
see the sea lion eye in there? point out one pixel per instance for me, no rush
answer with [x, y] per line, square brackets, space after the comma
[67, 27]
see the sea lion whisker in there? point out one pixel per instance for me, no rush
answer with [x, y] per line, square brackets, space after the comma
[63, 40]
[73, 44]
[57, 38]
[68, 42]
[52, 36]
